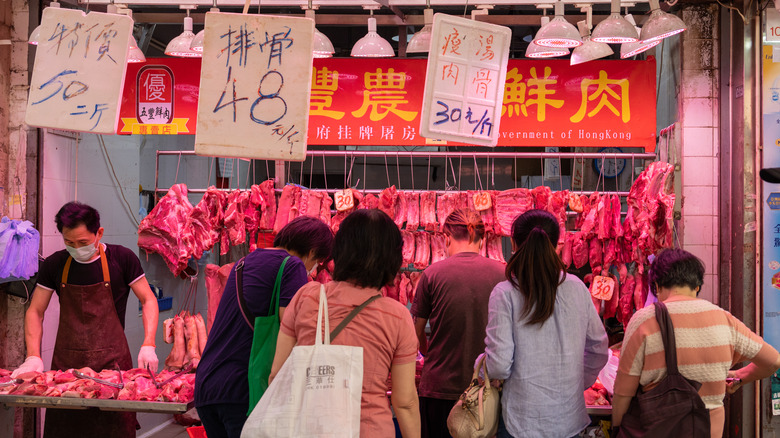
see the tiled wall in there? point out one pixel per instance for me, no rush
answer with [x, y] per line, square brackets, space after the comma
[699, 125]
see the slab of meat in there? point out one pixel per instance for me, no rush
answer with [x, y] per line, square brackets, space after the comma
[401, 209]
[205, 222]
[541, 196]
[288, 206]
[589, 224]
[626, 301]
[617, 226]
[556, 205]
[408, 248]
[369, 201]
[235, 226]
[323, 276]
[495, 248]
[488, 215]
[388, 200]
[650, 202]
[192, 352]
[446, 204]
[412, 211]
[595, 255]
[403, 288]
[510, 204]
[268, 208]
[310, 203]
[175, 360]
[335, 222]
[414, 277]
[566, 253]
[428, 211]
[438, 248]
[391, 290]
[252, 214]
[611, 306]
[216, 278]
[327, 203]
[164, 229]
[579, 250]
[575, 202]
[640, 288]
[201, 329]
[584, 205]
[422, 253]
[604, 208]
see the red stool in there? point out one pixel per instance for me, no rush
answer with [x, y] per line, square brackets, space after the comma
[196, 432]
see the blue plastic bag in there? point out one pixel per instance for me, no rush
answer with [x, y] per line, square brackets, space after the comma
[19, 243]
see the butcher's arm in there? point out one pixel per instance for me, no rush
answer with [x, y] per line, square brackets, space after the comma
[404, 399]
[149, 309]
[33, 320]
[419, 328]
[284, 346]
[596, 347]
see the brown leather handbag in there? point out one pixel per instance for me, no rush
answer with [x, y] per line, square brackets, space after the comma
[673, 408]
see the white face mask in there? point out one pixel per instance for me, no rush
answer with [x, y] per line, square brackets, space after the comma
[83, 254]
[312, 271]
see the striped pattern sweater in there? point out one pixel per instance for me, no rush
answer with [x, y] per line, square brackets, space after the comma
[709, 342]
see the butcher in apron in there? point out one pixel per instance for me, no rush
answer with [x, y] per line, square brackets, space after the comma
[93, 287]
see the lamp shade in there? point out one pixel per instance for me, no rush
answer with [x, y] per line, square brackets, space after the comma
[589, 50]
[180, 46]
[197, 43]
[323, 48]
[629, 50]
[421, 41]
[35, 36]
[134, 54]
[558, 33]
[372, 45]
[661, 25]
[615, 30]
[536, 51]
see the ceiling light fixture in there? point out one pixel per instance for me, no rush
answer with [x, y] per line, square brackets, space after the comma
[558, 32]
[615, 29]
[372, 45]
[629, 50]
[661, 24]
[180, 46]
[197, 43]
[35, 36]
[323, 48]
[589, 50]
[536, 51]
[421, 41]
[134, 53]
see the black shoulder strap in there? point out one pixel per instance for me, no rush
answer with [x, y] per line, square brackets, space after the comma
[667, 335]
[245, 312]
[351, 315]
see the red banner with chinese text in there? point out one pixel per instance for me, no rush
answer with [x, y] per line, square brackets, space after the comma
[376, 102]
[546, 103]
[160, 97]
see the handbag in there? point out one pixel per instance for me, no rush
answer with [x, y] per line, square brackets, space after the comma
[265, 331]
[316, 392]
[475, 415]
[673, 408]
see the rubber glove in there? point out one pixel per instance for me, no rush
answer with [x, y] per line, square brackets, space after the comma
[147, 356]
[31, 364]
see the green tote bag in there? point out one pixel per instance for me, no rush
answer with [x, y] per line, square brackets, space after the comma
[266, 330]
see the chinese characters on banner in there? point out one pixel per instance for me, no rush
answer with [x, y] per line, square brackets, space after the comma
[546, 103]
[463, 87]
[254, 87]
[79, 71]
[160, 97]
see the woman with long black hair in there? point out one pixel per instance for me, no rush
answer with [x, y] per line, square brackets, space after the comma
[544, 337]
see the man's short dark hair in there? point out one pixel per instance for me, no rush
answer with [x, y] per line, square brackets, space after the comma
[304, 234]
[676, 267]
[367, 250]
[74, 213]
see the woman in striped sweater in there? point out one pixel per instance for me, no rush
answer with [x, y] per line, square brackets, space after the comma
[709, 341]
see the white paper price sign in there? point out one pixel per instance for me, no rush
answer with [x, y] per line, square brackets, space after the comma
[602, 287]
[464, 83]
[344, 200]
[254, 87]
[482, 201]
[79, 71]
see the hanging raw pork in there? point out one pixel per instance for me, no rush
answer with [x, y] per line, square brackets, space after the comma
[205, 222]
[164, 230]
[510, 204]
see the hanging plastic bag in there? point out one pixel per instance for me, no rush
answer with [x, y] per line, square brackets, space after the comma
[19, 242]
[316, 393]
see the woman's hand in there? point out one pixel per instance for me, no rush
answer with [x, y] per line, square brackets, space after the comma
[733, 382]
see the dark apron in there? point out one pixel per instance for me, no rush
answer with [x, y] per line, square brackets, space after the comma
[89, 335]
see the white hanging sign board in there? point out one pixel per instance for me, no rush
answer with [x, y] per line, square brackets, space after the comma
[79, 71]
[464, 84]
[254, 87]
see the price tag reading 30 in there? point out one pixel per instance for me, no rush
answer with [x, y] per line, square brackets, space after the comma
[344, 200]
[602, 287]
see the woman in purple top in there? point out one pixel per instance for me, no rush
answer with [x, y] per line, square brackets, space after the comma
[221, 382]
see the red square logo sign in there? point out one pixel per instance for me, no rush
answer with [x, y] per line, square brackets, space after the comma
[154, 95]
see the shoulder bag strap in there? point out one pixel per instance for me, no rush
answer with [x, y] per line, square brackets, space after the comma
[351, 315]
[667, 335]
[245, 312]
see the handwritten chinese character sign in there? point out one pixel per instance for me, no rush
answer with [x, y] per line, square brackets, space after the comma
[464, 87]
[254, 87]
[79, 71]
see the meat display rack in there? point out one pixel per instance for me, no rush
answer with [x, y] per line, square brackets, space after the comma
[599, 411]
[31, 401]
[423, 154]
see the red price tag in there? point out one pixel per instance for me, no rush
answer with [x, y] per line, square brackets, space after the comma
[344, 200]
[482, 201]
[602, 287]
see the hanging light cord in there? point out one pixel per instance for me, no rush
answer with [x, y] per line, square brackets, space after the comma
[744, 20]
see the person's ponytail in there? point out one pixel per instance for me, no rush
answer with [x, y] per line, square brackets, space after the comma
[535, 268]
